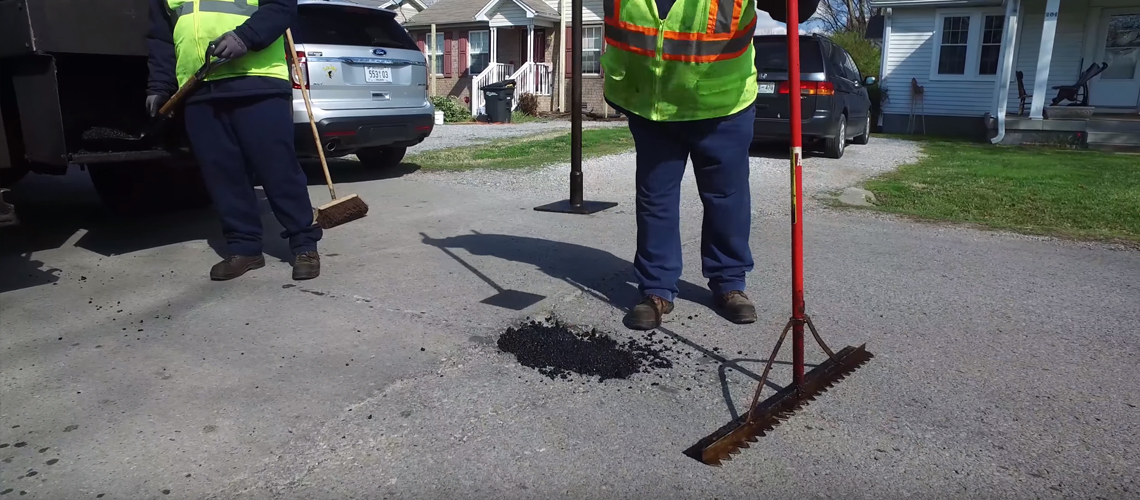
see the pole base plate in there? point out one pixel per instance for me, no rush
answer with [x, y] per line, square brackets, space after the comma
[586, 208]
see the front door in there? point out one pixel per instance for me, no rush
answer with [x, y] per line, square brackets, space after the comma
[1119, 46]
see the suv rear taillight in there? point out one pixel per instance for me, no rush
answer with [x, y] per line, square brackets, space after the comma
[811, 88]
[304, 71]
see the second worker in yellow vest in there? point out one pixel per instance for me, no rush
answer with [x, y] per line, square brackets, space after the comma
[240, 122]
[683, 73]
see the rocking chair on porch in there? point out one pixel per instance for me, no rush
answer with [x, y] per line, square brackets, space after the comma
[1079, 90]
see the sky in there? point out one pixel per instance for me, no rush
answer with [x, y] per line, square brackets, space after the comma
[765, 25]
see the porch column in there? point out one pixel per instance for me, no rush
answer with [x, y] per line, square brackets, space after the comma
[1005, 71]
[494, 44]
[530, 42]
[1044, 56]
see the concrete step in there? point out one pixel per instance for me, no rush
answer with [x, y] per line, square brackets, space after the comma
[1115, 138]
[1114, 126]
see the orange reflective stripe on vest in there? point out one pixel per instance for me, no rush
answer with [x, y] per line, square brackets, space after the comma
[721, 40]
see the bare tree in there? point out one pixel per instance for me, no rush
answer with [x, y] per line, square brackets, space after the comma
[844, 15]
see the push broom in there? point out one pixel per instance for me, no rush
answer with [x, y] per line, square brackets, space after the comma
[339, 210]
[764, 416]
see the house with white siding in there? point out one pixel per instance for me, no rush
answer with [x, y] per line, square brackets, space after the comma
[954, 66]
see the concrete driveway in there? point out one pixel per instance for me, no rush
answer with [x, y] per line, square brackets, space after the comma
[1004, 364]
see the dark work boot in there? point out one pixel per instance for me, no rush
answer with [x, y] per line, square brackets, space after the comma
[647, 314]
[236, 265]
[737, 307]
[307, 266]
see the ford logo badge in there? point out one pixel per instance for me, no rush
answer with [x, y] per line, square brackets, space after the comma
[379, 52]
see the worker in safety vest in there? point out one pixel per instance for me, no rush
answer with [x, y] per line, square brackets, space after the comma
[683, 72]
[240, 121]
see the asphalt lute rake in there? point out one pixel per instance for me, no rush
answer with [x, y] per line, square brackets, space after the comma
[763, 416]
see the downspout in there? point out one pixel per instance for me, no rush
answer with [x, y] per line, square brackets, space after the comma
[1012, 7]
[885, 50]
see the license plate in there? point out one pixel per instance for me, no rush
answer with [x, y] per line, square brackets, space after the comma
[377, 74]
[765, 88]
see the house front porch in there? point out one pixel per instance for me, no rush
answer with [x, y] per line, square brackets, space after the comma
[1071, 71]
[517, 48]
[1103, 131]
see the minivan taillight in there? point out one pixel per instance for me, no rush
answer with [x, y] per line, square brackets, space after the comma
[304, 71]
[811, 88]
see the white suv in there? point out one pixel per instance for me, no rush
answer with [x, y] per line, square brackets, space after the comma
[367, 80]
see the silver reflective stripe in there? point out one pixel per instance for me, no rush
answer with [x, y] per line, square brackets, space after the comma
[682, 49]
[633, 39]
[236, 7]
[724, 16]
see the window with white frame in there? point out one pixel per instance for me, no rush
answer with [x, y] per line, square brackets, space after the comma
[435, 48]
[479, 51]
[968, 44]
[591, 50]
[991, 45]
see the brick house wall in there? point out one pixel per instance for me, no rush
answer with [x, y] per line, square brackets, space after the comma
[455, 80]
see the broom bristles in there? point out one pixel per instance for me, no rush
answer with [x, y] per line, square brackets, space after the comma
[341, 211]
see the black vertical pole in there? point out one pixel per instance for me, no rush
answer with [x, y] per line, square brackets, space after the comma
[575, 204]
[576, 105]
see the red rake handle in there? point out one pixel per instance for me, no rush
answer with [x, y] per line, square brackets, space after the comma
[794, 117]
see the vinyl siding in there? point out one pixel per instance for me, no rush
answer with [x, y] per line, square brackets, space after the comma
[509, 14]
[911, 52]
[592, 10]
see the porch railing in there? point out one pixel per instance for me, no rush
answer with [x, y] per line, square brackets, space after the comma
[534, 78]
[495, 72]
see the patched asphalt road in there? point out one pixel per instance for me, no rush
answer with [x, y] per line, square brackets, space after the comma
[1004, 364]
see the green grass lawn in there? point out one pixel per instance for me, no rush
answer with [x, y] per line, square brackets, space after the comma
[525, 152]
[1066, 193]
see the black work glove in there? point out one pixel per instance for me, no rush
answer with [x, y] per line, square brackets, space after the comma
[230, 46]
[154, 103]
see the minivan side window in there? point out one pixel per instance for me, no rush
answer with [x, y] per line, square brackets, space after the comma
[839, 59]
[852, 68]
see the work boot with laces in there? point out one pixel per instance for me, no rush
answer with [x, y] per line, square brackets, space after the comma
[236, 265]
[306, 266]
[647, 314]
[737, 307]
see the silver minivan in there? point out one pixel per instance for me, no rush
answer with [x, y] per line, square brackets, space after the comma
[367, 80]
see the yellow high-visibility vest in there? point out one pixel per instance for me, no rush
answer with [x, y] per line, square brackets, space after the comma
[697, 63]
[199, 22]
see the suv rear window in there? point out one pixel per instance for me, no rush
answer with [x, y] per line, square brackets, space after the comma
[772, 55]
[357, 26]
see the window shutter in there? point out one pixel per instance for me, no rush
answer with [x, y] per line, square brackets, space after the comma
[420, 41]
[569, 52]
[462, 53]
[447, 36]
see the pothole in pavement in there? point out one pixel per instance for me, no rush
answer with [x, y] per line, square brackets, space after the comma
[558, 351]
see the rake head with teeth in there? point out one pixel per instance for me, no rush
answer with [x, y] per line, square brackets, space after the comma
[764, 416]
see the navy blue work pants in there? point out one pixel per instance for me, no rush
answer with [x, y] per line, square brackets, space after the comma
[239, 136]
[719, 151]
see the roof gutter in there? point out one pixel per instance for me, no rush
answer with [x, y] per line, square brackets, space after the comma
[882, 4]
[1002, 88]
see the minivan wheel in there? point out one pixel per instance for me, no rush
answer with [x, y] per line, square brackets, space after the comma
[381, 157]
[833, 148]
[865, 137]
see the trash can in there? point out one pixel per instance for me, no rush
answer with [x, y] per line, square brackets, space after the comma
[499, 98]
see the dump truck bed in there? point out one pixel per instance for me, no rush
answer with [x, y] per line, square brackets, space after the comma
[106, 27]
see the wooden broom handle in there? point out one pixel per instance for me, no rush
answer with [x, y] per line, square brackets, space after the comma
[309, 109]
